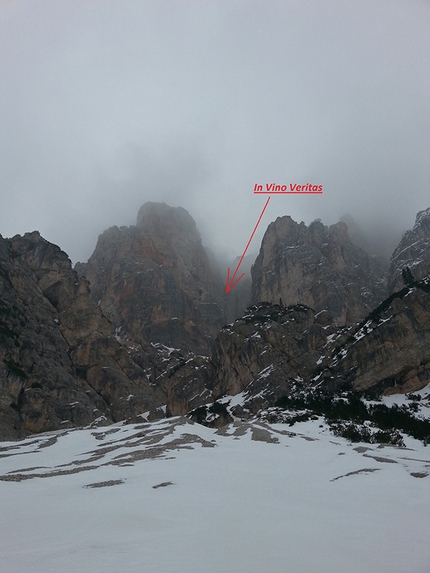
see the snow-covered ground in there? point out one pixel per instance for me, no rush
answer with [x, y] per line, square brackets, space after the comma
[177, 497]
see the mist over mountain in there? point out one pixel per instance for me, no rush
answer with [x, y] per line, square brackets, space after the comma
[154, 282]
[376, 239]
[105, 106]
[147, 326]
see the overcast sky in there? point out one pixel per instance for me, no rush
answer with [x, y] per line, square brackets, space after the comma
[107, 104]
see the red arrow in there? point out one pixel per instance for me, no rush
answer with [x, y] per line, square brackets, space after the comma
[231, 282]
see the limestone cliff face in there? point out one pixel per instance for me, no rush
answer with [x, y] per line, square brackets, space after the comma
[60, 362]
[413, 251]
[153, 281]
[317, 266]
[135, 338]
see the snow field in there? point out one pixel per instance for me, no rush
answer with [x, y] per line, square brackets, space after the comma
[242, 506]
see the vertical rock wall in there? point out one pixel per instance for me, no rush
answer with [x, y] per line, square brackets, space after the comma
[317, 266]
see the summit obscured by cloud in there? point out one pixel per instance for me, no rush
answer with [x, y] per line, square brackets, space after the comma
[105, 105]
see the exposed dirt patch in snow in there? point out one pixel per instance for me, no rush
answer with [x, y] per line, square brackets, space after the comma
[364, 470]
[162, 484]
[105, 483]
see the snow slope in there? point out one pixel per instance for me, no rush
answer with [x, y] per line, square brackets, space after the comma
[176, 497]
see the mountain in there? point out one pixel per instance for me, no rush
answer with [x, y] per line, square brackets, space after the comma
[60, 364]
[139, 332]
[153, 281]
[63, 363]
[317, 266]
[309, 451]
[271, 351]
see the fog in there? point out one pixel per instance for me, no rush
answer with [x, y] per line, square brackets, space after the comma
[106, 104]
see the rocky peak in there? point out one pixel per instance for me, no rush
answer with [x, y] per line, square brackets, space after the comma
[317, 266]
[154, 216]
[169, 233]
[413, 251]
[154, 280]
[121, 343]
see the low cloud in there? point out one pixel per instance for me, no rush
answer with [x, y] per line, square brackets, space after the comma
[106, 105]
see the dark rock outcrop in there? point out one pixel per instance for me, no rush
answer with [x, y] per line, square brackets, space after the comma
[317, 266]
[389, 351]
[412, 252]
[264, 352]
[271, 350]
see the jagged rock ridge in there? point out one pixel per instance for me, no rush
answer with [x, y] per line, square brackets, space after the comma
[272, 350]
[413, 252]
[74, 352]
[317, 266]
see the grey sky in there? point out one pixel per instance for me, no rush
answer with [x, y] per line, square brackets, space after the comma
[106, 104]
